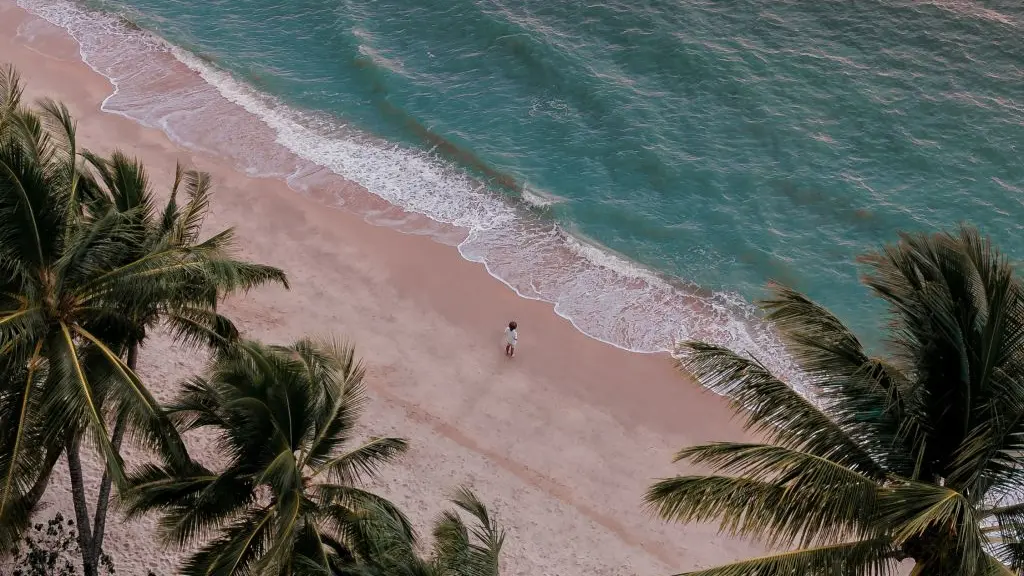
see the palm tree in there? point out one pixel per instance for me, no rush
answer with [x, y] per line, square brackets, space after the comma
[58, 287]
[458, 549]
[287, 498]
[120, 184]
[913, 456]
[79, 283]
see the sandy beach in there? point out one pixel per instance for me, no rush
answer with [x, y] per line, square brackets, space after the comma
[561, 442]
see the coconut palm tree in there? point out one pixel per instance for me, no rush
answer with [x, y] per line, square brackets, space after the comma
[60, 286]
[120, 184]
[915, 455]
[284, 496]
[79, 283]
[458, 549]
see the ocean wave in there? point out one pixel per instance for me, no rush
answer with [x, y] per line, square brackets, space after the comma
[604, 295]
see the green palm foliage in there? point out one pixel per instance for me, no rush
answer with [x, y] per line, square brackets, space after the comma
[60, 290]
[459, 549]
[86, 265]
[285, 497]
[210, 270]
[189, 306]
[916, 455]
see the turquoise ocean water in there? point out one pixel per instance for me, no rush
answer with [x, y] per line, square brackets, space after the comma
[645, 165]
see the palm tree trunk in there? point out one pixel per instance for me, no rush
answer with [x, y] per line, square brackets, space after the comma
[81, 506]
[103, 500]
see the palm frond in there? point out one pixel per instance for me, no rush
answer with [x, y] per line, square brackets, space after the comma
[263, 404]
[341, 399]
[147, 419]
[847, 499]
[279, 557]
[193, 503]
[32, 223]
[863, 395]
[774, 409]
[957, 318]
[914, 511]
[339, 502]
[11, 91]
[1006, 537]
[364, 461]
[189, 223]
[237, 550]
[64, 153]
[332, 365]
[368, 540]
[72, 400]
[200, 403]
[169, 216]
[20, 458]
[465, 551]
[195, 327]
[996, 568]
[864, 558]
[781, 514]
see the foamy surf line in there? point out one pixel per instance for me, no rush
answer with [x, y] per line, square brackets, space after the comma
[603, 295]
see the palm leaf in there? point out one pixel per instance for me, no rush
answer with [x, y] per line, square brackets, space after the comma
[144, 413]
[864, 558]
[72, 398]
[864, 396]
[64, 154]
[240, 547]
[466, 551]
[780, 514]
[843, 502]
[190, 220]
[11, 91]
[32, 220]
[20, 462]
[169, 216]
[914, 511]
[773, 408]
[340, 502]
[194, 327]
[363, 461]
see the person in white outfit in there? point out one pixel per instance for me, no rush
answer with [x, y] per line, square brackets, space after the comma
[511, 338]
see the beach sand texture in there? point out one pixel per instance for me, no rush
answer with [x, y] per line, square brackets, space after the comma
[561, 442]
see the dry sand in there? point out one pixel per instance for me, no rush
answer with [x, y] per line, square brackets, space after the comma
[561, 441]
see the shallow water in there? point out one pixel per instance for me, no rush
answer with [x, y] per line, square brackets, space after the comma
[649, 166]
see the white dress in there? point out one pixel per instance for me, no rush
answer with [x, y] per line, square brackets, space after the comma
[511, 336]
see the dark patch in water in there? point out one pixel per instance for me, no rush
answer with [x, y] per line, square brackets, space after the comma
[831, 206]
[448, 148]
[128, 23]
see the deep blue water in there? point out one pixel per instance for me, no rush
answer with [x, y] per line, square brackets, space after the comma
[722, 143]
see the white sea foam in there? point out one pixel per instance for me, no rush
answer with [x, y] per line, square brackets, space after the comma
[603, 294]
[539, 198]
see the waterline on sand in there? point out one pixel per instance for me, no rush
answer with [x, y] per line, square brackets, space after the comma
[604, 295]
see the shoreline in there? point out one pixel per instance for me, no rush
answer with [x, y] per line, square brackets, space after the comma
[605, 295]
[561, 442]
